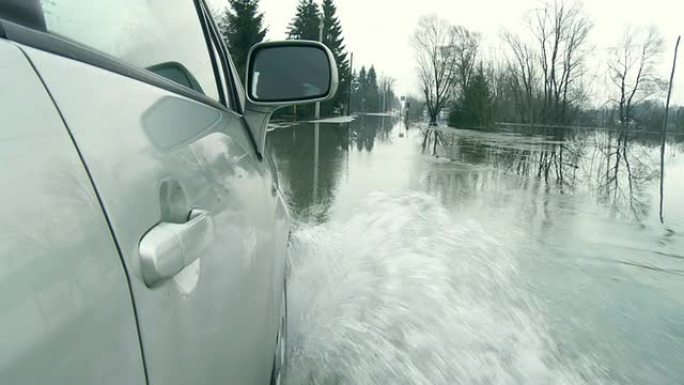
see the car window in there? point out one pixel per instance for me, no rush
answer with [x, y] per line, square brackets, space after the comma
[162, 36]
[219, 62]
[221, 66]
[233, 88]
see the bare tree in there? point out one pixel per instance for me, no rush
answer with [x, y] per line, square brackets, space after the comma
[496, 73]
[632, 69]
[386, 84]
[561, 29]
[466, 45]
[522, 78]
[446, 57]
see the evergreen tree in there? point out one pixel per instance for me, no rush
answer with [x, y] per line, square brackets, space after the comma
[332, 38]
[372, 91]
[679, 119]
[305, 24]
[361, 92]
[355, 100]
[242, 27]
[476, 107]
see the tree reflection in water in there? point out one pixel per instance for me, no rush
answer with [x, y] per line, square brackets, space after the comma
[616, 166]
[625, 170]
[309, 182]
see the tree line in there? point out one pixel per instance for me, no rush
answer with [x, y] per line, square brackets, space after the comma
[371, 93]
[544, 76]
[242, 26]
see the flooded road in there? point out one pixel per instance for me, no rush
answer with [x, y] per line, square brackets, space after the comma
[512, 257]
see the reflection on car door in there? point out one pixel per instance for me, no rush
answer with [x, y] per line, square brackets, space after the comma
[157, 159]
[66, 315]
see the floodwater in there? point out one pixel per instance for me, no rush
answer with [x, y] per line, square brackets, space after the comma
[515, 256]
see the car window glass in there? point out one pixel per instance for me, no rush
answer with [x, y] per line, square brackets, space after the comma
[221, 73]
[163, 36]
[239, 88]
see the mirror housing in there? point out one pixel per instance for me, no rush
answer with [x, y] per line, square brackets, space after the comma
[282, 74]
[285, 73]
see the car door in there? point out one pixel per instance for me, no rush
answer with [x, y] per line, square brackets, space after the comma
[66, 315]
[193, 208]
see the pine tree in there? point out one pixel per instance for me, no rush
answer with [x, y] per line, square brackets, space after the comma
[332, 38]
[362, 92]
[354, 99]
[305, 24]
[476, 107]
[242, 27]
[372, 91]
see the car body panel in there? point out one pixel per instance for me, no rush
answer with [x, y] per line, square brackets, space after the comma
[66, 315]
[154, 156]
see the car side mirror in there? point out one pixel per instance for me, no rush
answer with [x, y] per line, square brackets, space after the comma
[285, 73]
[290, 72]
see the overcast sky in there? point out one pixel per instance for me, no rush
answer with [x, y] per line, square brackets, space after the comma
[378, 31]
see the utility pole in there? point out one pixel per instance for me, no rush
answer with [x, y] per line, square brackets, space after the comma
[320, 38]
[317, 132]
[351, 81]
[664, 132]
[388, 102]
[384, 99]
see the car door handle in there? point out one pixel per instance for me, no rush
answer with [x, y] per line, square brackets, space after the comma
[169, 247]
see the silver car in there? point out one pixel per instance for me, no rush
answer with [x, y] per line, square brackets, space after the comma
[142, 230]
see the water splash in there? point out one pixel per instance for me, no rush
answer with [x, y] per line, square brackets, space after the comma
[399, 292]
